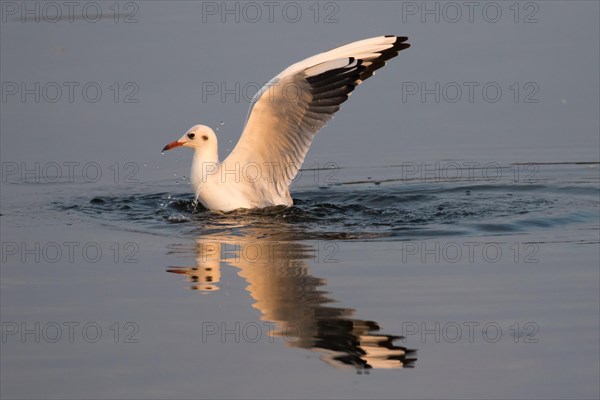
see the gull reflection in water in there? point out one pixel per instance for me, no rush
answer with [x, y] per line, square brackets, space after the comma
[289, 296]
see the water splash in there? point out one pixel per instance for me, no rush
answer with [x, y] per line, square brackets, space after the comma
[363, 212]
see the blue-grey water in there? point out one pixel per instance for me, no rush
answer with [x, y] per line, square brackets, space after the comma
[438, 247]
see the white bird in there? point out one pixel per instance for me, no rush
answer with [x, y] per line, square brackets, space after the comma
[283, 119]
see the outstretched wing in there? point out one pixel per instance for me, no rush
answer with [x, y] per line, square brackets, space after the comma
[290, 109]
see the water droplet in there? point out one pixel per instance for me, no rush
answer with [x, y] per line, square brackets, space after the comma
[145, 165]
[162, 153]
[169, 197]
[174, 174]
[184, 178]
[221, 123]
[177, 182]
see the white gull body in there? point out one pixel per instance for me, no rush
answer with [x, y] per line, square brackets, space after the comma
[284, 117]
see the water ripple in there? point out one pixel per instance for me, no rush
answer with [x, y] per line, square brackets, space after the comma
[394, 212]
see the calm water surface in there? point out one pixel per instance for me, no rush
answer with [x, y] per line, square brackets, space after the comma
[364, 288]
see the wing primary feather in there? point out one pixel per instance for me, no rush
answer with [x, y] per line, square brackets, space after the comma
[339, 92]
[341, 74]
[329, 101]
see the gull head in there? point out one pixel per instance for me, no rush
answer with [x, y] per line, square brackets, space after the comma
[197, 137]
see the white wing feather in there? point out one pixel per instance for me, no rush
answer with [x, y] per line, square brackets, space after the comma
[292, 107]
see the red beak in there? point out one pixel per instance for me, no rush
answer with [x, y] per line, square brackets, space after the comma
[172, 145]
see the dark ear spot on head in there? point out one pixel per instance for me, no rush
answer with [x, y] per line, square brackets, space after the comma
[204, 137]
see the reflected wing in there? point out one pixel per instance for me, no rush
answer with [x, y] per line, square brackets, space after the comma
[291, 108]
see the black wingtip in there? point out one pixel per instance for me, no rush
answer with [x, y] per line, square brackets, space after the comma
[399, 38]
[399, 44]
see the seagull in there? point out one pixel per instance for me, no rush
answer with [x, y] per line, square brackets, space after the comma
[284, 117]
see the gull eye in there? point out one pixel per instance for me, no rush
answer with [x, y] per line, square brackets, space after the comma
[204, 137]
[191, 135]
